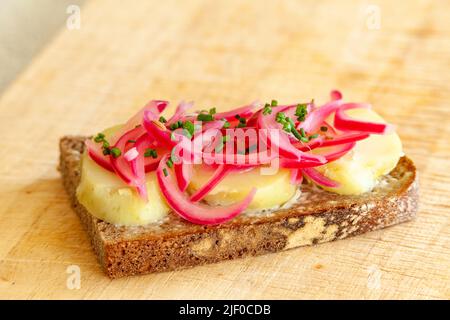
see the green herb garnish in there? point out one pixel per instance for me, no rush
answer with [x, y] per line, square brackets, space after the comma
[267, 109]
[162, 119]
[115, 152]
[165, 172]
[99, 137]
[189, 127]
[242, 122]
[205, 117]
[226, 124]
[302, 132]
[301, 111]
[304, 139]
[151, 153]
[169, 163]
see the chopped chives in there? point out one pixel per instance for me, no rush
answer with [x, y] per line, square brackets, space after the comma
[169, 163]
[162, 119]
[189, 127]
[302, 132]
[304, 139]
[267, 109]
[99, 137]
[226, 124]
[151, 153]
[301, 111]
[205, 117]
[116, 152]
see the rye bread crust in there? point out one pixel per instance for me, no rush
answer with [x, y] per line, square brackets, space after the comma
[318, 216]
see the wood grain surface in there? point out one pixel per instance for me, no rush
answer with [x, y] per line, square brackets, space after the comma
[223, 54]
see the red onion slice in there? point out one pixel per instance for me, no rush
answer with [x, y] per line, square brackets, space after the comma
[284, 145]
[218, 176]
[180, 112]
[158, 131]
[335, 95]
[339, 151]
[195, 212]
[145, 142]
[319, 178]
[296, 176]
[346, 123]
[346, 138]
[317, 117]
[131, 154]
[130, 173]
[244, 112]
[154, 106]
[95, 152]
[183, 172]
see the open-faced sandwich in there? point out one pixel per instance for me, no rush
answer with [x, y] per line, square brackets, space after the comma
[162, 193]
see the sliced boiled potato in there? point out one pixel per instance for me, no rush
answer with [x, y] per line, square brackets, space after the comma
[359, 170]
[108, 198]
[272, 190]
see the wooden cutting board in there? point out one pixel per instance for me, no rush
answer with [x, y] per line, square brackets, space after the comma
[395, 55]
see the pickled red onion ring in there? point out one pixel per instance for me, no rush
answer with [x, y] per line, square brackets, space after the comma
[130, 173]
[218, 176]
[296, 176]
[319, 178]
[346, 123]
[131, 154]
[183, 172]
[335, 95]
[195, 212]
[158, 131]
[94, 151]
[284, 145]
[314, 119]
[244, 112]
[339, 151]
[180, 111]
[154, 106]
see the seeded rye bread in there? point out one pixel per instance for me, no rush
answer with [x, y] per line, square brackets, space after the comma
[318, 216]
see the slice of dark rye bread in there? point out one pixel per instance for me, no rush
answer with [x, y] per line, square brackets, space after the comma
[318, 216]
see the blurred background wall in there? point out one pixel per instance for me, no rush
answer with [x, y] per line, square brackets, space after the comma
[25, 27]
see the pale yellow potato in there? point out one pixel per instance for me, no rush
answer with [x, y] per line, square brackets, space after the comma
[272, 190]
[359, 170]
[108, 198]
